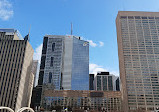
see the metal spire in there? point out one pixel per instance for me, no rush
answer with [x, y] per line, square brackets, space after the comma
[27, 36]
[71, 28]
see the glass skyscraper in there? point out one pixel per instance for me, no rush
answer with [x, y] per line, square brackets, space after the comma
[64, 66]
[65, 63]
[80, 65]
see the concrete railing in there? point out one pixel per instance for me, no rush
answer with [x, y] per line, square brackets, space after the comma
[19, 110]
[25, 108]
[6, 108]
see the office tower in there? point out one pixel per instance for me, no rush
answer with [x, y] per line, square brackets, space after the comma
[91, 81]
[104, 82]
[35, 68]
[16, 79]
[117, 82]
[65, 63]
[138, 48]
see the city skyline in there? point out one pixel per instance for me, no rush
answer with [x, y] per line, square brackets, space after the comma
[95, 22]
[119, 41]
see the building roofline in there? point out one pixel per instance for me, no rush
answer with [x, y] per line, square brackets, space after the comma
[137, 13]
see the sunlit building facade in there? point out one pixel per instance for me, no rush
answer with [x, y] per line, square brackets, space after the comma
[35, 68]
[16, 78]
[138, 48]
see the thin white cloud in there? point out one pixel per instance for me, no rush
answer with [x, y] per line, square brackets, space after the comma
[6, 10]
[94, 69]
[37, 53]
[91, 43]
[101, 44]
[116, 73]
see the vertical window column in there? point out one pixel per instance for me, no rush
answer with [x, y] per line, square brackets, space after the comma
[52, 60]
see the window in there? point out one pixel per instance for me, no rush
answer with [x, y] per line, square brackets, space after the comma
[53, 47]
[50, 77]
[52, 60]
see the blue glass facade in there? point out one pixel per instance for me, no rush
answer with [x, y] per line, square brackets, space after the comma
[80, 65]
[66, 64]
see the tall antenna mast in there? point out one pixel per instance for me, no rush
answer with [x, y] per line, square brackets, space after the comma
[29, 29]
[27, 36]
[71, 28]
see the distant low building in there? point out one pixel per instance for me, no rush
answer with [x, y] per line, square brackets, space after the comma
[109, 101]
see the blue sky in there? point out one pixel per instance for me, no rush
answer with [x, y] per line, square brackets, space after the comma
[94, 20]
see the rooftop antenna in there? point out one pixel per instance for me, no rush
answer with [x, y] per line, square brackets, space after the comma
[71, 28]
[27, 36]
[29, 29]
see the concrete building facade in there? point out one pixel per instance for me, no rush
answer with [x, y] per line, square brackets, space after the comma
[16, 79]
[138, 48]
[35, 70]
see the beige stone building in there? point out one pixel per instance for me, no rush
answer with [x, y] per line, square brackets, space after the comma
[108, 101]
[16, 79]
[138, 48]
[35, 70]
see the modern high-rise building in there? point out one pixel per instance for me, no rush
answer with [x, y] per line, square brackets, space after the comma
[138, 48]
[104, 82]
[91, 81]
[65, 63]
[16, 79]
